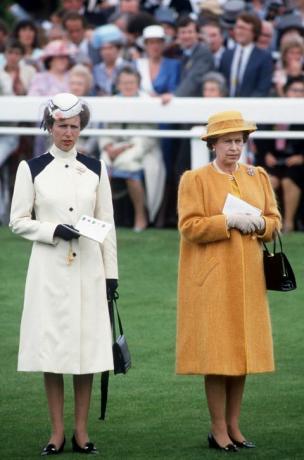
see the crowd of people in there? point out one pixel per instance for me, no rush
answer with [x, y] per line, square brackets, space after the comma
[165, 49]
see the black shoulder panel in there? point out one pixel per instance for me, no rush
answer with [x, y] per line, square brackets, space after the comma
[91, 163]
[38, 164]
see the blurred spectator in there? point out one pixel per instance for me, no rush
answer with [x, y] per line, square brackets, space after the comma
[14, 80]
[247, 68]
[27, 33]
[287, 26]
[258, 7]
[55, 32]
[129, 6]
[57, 58]
[81, 84]
[80, 81]
[3, 35]
[290, 63]
[135, 27]
[75, 26]
[214, 85]
[159, 74]
[213, 36]
[210, 11]
[120, 20]
[166, 17]
[284, 160]
[73, 5]
[16, 76]
[109, 40]
[265, 39]
[299, 4]
[231, 10]
[196, 61]
[135, 158]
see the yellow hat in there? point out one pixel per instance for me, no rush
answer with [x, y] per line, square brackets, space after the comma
[227, 122]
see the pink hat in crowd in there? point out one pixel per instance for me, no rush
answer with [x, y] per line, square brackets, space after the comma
[58, 48]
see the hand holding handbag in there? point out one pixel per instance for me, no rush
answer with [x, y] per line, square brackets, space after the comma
[279, 275]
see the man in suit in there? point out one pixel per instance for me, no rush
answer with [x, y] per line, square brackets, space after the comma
[197, 60]
[214, 37]
[247, 68]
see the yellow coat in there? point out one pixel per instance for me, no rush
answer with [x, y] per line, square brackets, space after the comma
[223, 323]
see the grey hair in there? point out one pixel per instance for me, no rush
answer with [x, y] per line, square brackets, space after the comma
[219, 79]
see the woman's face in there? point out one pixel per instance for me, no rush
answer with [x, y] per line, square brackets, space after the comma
[79, 85]
[65, 132]
[154, 47]
[109, 53]
[211, 89]
[13, 57]
[228, 149]
[294, 54]
[26, 36]
[128, 85]
[59, 64]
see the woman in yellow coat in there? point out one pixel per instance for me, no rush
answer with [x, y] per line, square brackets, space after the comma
[223, 323]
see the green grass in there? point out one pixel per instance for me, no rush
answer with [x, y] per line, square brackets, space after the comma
[152, 413]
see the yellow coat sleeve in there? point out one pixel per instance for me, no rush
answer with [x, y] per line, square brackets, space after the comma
[194, 225]
[271, 213]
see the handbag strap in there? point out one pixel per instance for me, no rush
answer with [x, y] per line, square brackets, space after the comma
[116, 296]
[274, 247]
[104, 381]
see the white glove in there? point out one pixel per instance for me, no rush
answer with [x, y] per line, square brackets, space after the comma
[259, 223]
[242, 222]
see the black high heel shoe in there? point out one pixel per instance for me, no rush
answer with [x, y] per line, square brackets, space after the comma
[214, 445]
[88, 448]
[243, 444]
[51, 449]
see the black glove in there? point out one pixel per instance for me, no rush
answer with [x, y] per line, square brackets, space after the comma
[112, 285]
[65, 233]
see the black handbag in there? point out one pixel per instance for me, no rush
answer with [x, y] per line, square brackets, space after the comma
[279, 275]
[121, 355]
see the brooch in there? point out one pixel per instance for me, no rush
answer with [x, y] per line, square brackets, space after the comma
[80, 168]
[250, 171]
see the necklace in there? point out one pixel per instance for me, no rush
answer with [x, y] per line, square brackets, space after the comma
[218, 169]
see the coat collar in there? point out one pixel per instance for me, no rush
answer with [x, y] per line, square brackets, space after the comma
[58, 153]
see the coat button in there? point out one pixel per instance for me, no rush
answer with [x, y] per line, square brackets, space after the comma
[74, 254]
[71, 209]
[66, 166]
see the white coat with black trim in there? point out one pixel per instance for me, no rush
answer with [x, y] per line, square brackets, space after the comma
[65, 326]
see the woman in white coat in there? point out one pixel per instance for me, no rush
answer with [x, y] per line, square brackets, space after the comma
[65, 326]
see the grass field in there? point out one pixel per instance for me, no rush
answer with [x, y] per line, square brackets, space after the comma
[152, 413]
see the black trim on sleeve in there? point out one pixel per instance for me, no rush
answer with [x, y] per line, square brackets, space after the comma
[91, 163]
[38, 164]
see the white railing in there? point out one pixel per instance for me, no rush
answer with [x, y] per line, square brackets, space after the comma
[192, 111]
[150, 110]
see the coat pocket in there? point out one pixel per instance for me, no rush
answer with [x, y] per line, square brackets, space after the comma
[204, 271]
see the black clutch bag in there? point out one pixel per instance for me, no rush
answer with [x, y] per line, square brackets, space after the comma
[279, 275]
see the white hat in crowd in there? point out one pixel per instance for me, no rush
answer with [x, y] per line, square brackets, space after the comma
[153, 32]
